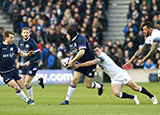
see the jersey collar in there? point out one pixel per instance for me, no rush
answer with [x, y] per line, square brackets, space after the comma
[6, 43]
[75, 37]
[26, 39]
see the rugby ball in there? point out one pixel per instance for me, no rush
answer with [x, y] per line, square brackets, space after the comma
[65, 61]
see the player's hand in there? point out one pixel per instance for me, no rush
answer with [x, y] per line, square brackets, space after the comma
[69, 64]
[27, 63]
[139, 62]
[126, 64]
[30, 53]
[18, 66]
[75, 66]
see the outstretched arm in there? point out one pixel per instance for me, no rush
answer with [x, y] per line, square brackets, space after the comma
[152, 51]
[136, 55]
[87, 63]
[90, 63]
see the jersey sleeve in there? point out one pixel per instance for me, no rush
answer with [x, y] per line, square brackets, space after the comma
[81, 43]
[35, 47]
[148, 41]
[101, 58]
[36, 52]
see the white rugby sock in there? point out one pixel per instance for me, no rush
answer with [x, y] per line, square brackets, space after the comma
[30, 92]
[96, 85]
[21, 94]
[71, 89]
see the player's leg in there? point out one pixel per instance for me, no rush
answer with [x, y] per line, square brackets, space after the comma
[117, 88]
[135, 87]
[23, 78]
[72, 87]
[28, 86]
[39, 81]
[18, 90]
[20, 83]
[89, 83]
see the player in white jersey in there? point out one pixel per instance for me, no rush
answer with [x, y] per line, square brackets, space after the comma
[152, 41]
[119, 76]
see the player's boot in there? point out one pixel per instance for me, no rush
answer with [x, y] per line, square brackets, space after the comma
[135, 99]
[154, 100]
[65, 103]
[100, 90]
[30, 102]
[41, 83]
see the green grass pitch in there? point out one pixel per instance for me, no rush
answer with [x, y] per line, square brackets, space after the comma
[83, 102]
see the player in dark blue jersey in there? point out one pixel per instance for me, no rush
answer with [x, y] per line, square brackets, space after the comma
[82, 52]
[30, 63]
[8, 69]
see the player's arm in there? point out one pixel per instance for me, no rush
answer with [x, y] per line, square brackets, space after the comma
[89, 63]
[136, 55]
[36, 57]
[77, 57]
[152, 51]
[23, 54]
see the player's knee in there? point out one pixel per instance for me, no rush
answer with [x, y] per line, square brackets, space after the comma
[22, 87]
[88, 86]
[26, 84]
[117, 94]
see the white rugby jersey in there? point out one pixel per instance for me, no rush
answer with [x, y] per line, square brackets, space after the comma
[155, 37]
[109, 67]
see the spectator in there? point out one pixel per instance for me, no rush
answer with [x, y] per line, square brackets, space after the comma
[52, 37]
[149, 64]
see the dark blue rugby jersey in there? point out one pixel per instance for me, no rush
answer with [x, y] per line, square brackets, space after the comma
[80, 42]
[27, 46]
[7, 57]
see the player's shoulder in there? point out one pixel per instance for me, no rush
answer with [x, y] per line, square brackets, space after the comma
[155, 32]
[21, 40]
[32, 41]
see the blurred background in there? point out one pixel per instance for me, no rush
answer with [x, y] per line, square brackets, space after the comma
[114, 24]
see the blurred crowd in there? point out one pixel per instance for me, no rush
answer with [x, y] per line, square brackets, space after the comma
[49, 20]
[140, 11]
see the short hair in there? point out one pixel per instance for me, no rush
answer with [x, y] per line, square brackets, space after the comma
[148, 24]
[96, 46]
[25, 28]
[6, 34]
[72, 31]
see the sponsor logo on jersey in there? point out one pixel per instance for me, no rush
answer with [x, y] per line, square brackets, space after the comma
[27, 46]
[4, 48]
[11, 49]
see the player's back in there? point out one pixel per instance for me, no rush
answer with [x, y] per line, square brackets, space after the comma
[82, 43]
[109, 66]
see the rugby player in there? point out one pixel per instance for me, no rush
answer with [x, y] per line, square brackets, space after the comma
[81, 51]
[119, 76]
[8, 69]
[30, 63]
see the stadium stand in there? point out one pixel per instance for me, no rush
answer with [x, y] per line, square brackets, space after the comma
[49, 20]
